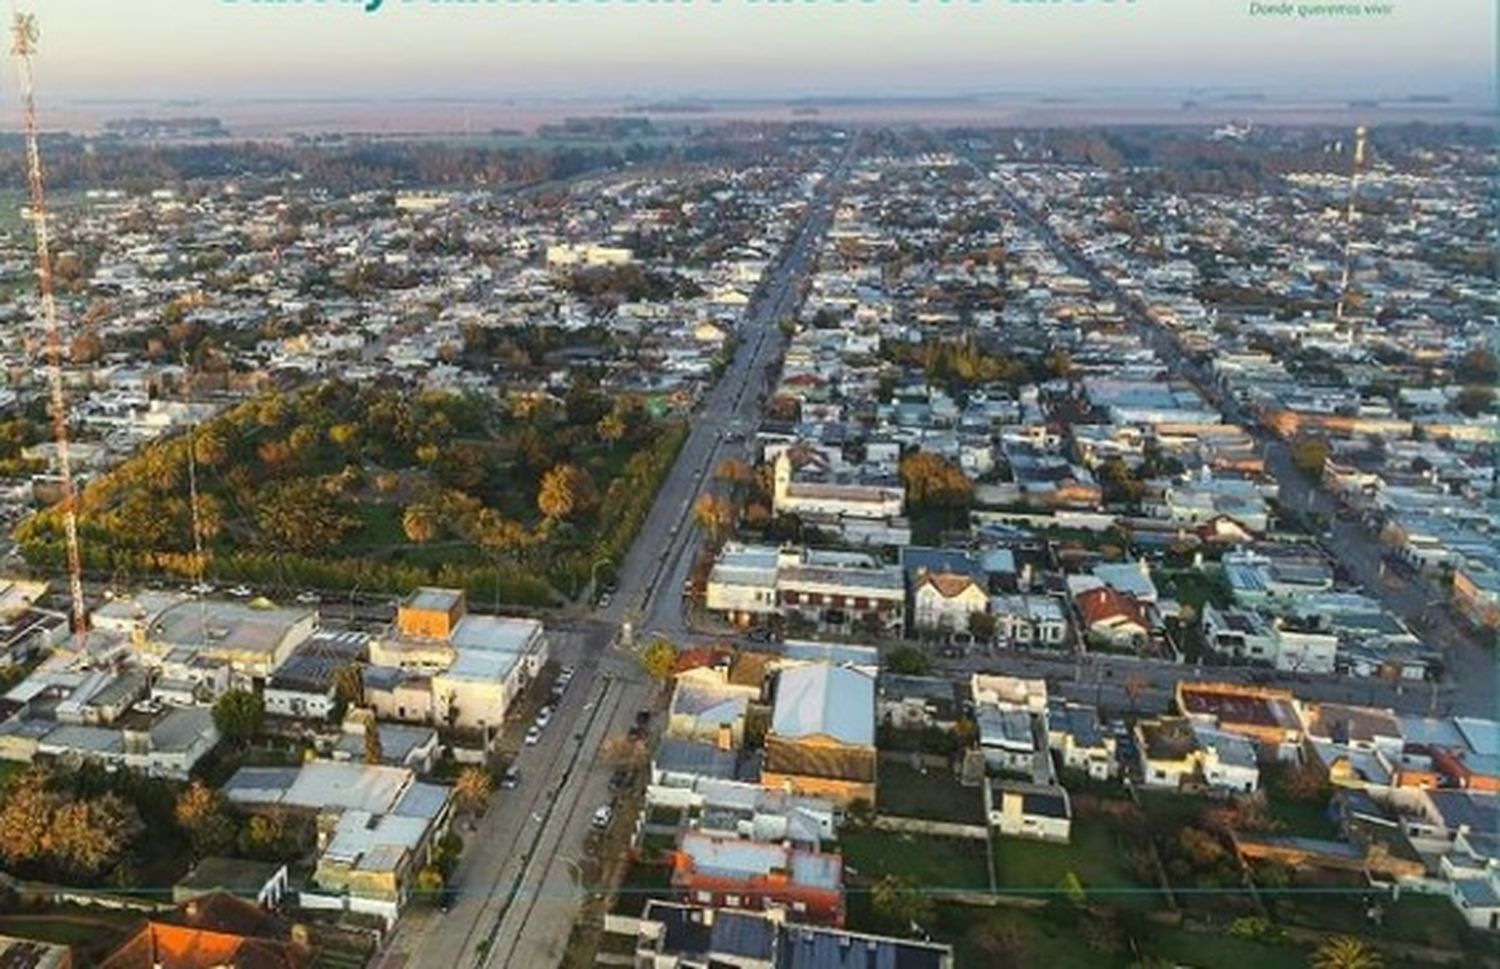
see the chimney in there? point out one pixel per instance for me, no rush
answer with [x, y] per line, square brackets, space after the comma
[725, 738]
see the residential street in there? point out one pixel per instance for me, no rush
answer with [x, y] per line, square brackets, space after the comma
[518, 881]
[1471, 668]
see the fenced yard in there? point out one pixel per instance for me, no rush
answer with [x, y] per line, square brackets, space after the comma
[931, 795]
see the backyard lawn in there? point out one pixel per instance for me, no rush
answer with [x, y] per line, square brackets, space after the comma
[1219, 950]
[935, 864]
[1306, 819]
[1095, 856]
[1015, 937]
[934, 796]
[1428, 920]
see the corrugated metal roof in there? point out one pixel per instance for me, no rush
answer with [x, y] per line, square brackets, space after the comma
[831, 701]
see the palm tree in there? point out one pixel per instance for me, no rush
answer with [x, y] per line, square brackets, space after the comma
[1346, 952]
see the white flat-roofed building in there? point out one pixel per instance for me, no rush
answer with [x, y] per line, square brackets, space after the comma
[475, 666]
[742, 583]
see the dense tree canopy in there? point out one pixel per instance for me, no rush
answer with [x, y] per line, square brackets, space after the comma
[292, 491]
[934, 481]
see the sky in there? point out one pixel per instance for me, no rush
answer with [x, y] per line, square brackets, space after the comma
[587, 48]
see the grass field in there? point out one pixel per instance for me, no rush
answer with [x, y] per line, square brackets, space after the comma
[932, 863]
[1220, 950]
[1307, 819]
[1427, 920]
[1027, 867]
[934, 796]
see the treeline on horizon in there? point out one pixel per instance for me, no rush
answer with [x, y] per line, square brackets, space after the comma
[1186, 158]
[76, 163]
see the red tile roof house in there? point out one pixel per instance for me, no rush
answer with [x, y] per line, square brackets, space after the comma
[1113, 616]
[755, 875]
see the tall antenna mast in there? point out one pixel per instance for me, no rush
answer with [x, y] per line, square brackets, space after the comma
[23, 47]
[1359, 162]
[192, 456]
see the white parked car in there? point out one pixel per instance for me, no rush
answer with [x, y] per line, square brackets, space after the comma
[309, 598]
[603, 815]
[543, 717]
[532, 736]
[241, 592]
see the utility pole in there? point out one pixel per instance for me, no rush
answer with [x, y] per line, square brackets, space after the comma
[24, 36]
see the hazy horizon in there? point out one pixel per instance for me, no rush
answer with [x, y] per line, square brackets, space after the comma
[218, 50]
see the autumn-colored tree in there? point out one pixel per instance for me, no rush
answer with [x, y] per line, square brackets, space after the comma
[374, 749]
[715, 514]
[734, 472]
[209, 517]
[429, 881]
[933, 481]
[303, 440]
[499, 536]
[471, 789]
[87, 347]
[420, 523]
[349, 685]
[1309, 454]
[209, 448]
[264, 836]
[275, 455]
[1346, 952]
[26, 815]
[271, 411]
[344, 436]
[202, 813]
[87, 837]
[302, 517]
[566, 492]
[611, 427]
[659, 658]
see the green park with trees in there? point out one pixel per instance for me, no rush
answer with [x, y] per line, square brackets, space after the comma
[516, 503]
